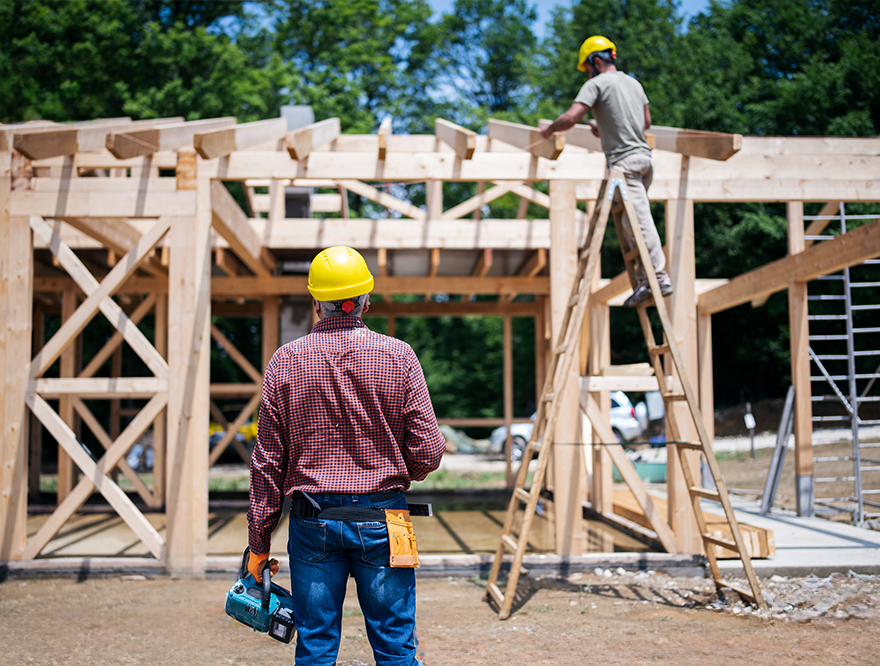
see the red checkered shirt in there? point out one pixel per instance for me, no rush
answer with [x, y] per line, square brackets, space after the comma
[344, 410]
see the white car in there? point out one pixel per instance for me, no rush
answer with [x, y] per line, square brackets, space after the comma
[623, 422]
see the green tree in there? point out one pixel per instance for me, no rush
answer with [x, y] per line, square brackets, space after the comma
[360, 59]
[79, 60]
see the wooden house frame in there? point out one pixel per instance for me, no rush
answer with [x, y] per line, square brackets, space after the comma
[175, 242]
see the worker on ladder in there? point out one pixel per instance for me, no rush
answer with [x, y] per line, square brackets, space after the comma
[620, 108]
[346, 424]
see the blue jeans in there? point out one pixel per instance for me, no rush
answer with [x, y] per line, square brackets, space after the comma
[323, 554]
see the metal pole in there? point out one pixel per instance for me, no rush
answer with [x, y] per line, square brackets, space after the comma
[775, 471]
[859, 517]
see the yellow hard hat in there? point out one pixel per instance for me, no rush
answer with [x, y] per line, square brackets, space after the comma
[338, 273]
[590, 46]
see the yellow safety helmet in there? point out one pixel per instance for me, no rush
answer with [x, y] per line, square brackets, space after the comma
[338, 273]
[590, 46]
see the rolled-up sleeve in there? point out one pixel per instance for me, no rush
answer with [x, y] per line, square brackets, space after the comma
[268, 470]
[423, 444]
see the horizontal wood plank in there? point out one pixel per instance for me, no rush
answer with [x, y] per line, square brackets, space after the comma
[221, 142]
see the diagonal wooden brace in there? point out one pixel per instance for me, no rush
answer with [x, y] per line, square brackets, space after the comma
[99, 298]
[95, 475]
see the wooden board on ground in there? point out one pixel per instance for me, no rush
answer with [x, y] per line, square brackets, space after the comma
[759, 541]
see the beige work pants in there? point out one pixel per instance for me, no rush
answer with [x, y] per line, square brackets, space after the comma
[638, 171]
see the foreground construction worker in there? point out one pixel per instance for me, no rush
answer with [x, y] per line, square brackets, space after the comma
[620, 108]
[346, 424]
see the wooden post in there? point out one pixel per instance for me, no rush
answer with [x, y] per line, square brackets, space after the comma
[271, 313]
[160, 425]
[707, 377]
[66, 468]
[391, 325]
[800, 369]
[16, 280]
[683, 313]
[508, 394]
[567, 454]
[189, 336]
[600, 357]
[35, 455]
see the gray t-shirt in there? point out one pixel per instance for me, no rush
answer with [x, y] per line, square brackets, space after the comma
[617, 101]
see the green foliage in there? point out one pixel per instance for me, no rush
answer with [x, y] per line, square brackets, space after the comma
[79, 60]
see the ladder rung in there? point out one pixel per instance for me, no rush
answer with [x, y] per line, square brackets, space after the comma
[574, 300]
[632, 254]
[671, 395]
[832, 459]
[872, 468]
[705, 493]
[744, 592]
[724, 543]
[656, 350]
[549, 397]
[832, 479]
[522, 494]
[495, 593]
[696, 446]
[509, 543]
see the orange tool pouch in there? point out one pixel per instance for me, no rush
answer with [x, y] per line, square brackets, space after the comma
[402, 539]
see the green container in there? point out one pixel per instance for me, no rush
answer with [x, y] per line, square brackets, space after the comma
[649, 472]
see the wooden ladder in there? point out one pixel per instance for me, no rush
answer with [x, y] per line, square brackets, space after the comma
[563, 355]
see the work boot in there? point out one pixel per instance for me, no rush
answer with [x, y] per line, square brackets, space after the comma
[643, 292]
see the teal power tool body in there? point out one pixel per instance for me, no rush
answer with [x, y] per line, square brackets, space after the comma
[266, 607]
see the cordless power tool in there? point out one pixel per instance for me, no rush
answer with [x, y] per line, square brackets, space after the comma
[265, 607]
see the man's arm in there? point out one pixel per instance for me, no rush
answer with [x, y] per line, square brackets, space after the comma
[423, 444]
[647, 118]
[568, 120]
[268, 470]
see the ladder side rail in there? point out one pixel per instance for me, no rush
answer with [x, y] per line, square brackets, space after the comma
[554, 383]
[859, 518]
[678, 361]
[701, 520]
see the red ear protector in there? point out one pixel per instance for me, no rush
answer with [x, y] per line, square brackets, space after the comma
[347, 307]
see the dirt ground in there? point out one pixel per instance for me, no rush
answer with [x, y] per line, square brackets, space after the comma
[605, 618]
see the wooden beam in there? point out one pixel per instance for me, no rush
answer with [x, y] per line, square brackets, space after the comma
[526, 138]
[101, 201]
[117, 235]
[16, 302]
[463, 141]
[384, 133]
[848, 249]
[801, 368]
[483, 264]
[221, 142]
[227, 262]
[326, 203]
[697, 143]
[125, 145]
[57, 140]
[236, 355]
[474, 204]
[816, 227]
[302, 142]
[232, 224]
[94, 476]
[567, 461]
[629, 474]
[270, 338]
[383, 199]
[452, 309]
[534, 264]
[189, 344]
[579, 135]
[98, 388]
[254, 287]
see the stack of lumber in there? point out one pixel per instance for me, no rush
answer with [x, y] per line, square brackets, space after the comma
[759, 541]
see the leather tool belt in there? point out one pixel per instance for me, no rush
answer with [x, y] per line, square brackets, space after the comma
[401, 538]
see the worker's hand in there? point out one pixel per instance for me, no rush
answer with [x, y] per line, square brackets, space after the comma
[256, 564]
[594, 129]
[546, 133]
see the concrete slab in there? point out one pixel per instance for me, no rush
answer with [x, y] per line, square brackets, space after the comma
[807, 545]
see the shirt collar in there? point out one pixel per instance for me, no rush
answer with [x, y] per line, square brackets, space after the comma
[337, 323]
